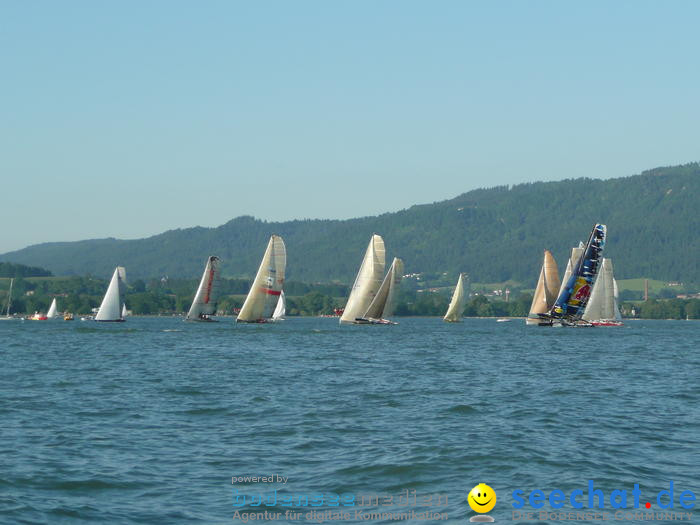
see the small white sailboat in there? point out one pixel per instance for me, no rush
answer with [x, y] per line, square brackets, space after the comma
[455, 310]
[125, 312]
[547, 290]
[204, 303]
[110, 309]
[267, 287]
[602, 308]
[53, 311]
[280, 309]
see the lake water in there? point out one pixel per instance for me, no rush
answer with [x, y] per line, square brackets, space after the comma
[148, 421]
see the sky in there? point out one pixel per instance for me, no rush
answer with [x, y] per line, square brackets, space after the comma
[126, 119]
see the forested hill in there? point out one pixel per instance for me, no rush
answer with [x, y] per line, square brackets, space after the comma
[493, 234]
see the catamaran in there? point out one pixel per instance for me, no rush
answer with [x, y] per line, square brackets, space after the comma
[267, 287]
[546, 292]
[204, 303]
[602, 308]
[455, 310]
[575, 293]
[110, 309]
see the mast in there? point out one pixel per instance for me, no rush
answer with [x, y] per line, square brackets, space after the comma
[9, 297]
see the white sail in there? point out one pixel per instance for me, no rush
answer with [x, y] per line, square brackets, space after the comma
[204, 302]
[367, 282]
[110, 309]
[616, 295]
[52, 310]
[455, 310]
[602, 305]
[573, 261]
[384, 302]
[280, 309]
[267, 286]
[125, 312]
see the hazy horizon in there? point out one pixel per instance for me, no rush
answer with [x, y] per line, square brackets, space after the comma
[130, 120]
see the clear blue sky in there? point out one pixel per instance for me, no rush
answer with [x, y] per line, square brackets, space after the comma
[125, 119]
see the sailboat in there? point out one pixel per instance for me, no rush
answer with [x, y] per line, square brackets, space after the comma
[546, 292]
[267, 287]
[125, 312]
[367, 282]
[52, 313]
[575, 292]
[7, 316]
[382, 306]
[204, 303]
[455, 310]
[280, 309]
[371, 298]
[110, 309]
[602, 308]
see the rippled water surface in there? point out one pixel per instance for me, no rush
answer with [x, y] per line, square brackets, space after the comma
[147, 421]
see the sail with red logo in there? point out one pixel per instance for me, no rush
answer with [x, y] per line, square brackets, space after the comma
[574, 295]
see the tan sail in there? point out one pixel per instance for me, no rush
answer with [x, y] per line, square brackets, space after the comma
[546, 291]
[367, 282]
[384, 302]
[455, 310]
[551, 278]
[267, 286]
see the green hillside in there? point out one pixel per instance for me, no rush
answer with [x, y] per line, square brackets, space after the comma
[493, 234]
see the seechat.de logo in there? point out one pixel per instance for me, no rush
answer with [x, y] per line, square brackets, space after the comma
[481, 499]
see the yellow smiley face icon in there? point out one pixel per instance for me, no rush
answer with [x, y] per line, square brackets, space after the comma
[482, 498]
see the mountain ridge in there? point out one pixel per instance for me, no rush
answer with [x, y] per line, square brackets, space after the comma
[493, 234]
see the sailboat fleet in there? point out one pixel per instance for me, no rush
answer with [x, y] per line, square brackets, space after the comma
[585, 296]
